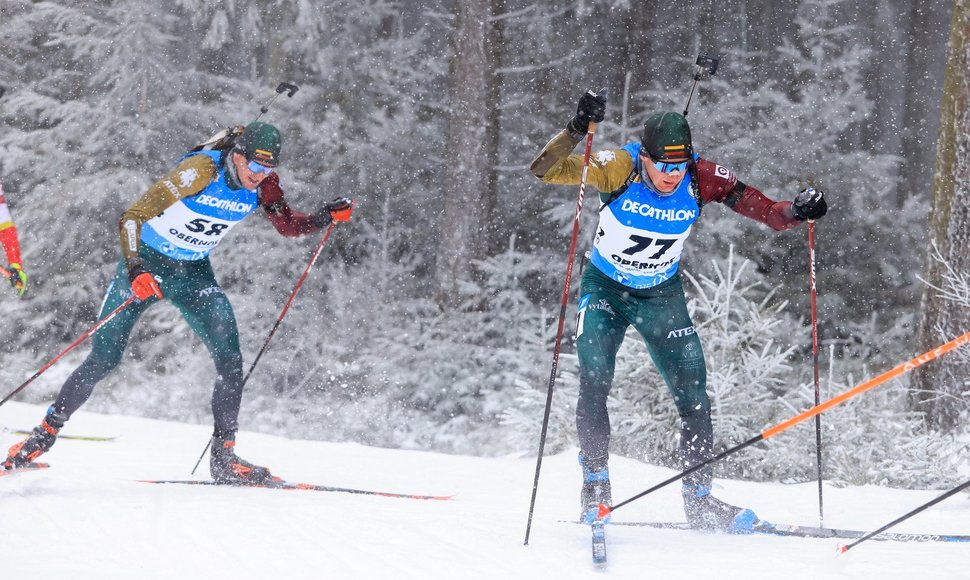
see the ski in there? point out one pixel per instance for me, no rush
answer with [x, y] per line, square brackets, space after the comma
[815, 532]
[24, 469]
[599, 544]
[72, 437]
[302, 486]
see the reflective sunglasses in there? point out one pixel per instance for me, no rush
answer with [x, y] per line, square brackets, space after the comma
[257, 168]
[667, 167]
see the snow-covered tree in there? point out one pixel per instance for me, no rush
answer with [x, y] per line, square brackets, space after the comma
[940, 390]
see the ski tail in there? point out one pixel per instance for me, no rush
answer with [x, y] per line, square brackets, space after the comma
[69, 437]
[763, 527]
[287, 485]
[599, 543]
[24, 469]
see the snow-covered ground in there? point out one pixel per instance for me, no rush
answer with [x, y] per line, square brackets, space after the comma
[87, 517]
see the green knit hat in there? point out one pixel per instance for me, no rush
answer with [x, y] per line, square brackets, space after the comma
[261, 142]
[666, 136]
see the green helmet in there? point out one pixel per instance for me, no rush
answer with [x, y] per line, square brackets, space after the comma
[260, 142]
[666, 136]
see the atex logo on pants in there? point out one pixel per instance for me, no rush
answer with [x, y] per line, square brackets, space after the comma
[681, 332]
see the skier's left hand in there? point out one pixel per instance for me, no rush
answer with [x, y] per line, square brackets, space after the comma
[18, 279]
[338, 210]
[809, 204]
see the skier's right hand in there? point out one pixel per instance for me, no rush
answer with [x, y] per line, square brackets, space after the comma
[591, 107]
[144, 284]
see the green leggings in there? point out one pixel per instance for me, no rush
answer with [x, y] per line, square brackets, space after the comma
[192, 288]
[659, 314]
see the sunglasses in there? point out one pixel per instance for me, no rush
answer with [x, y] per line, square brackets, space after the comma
[667, 167]
[257, 168]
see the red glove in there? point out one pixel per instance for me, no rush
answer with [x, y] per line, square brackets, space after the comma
[340, 209]
[144, 285]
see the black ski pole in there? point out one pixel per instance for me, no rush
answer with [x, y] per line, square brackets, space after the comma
[288, 88]
[279, 319]
[705, 67]
[571, 258]
[931, 503]
[818, 394]
[81, 339]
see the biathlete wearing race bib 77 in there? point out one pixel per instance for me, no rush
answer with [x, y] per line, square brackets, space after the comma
[651, 192]
[641, 235]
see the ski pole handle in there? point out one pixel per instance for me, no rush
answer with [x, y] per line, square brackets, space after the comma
[290, 89]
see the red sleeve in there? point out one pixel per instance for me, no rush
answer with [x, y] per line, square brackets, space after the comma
[286, 221]
[718, 183]
[8, 237]
[8, 233]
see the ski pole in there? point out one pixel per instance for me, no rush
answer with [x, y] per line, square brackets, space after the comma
[931, 503]
[785, 425]
[279, 319]
[818, 418]
[705, 66]
[562, 320]
[82, 338]
[288, 88]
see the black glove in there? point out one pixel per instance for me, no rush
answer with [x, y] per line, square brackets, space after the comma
[336, 210]
[591, 107]
[809, 204]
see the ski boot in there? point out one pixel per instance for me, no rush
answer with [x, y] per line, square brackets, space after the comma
[706, 512]
[41, 438]
[227, 468]
[596, 490]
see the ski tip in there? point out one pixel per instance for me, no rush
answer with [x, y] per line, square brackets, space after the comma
[603, 511]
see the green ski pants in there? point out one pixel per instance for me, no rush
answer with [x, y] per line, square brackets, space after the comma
[659, 314]
[189, 285]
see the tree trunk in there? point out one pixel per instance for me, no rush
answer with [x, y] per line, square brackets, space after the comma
[466, 161]
[921, 78]
[939, 389]
[494, 228]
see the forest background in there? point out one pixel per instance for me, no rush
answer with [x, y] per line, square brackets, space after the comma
[429, 319]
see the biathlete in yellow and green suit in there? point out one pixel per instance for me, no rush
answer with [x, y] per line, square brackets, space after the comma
[166, 239]
[652, 193]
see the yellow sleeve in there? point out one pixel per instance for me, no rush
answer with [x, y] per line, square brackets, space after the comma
[188, 178]
[608, 168]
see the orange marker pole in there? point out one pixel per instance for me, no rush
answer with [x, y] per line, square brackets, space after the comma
[785, 425]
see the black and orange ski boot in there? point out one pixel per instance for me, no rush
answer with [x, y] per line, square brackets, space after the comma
[41, 439]
[227, 468]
